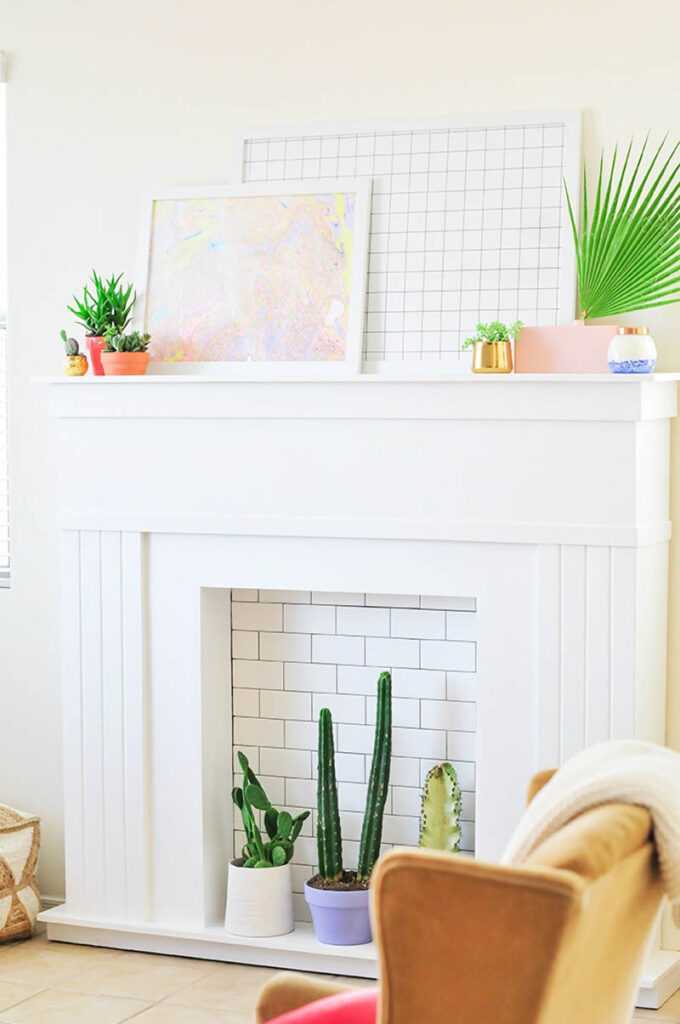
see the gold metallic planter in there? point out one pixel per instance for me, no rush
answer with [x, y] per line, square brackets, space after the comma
[492, 357]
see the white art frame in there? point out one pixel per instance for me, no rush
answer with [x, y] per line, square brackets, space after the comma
[259, 369]
[569, 118]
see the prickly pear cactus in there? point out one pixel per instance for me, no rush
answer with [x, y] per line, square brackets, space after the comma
[439, 828]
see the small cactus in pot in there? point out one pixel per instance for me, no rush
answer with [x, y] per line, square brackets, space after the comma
[74, 363]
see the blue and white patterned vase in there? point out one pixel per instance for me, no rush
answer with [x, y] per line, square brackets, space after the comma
[632, 350]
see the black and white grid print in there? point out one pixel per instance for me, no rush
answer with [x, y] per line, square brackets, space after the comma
[467, 223]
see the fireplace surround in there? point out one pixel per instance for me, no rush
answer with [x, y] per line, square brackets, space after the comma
[541, 503]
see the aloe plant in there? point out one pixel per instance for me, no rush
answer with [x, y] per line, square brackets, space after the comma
[281, 827]
[628, 245]
[104, 304]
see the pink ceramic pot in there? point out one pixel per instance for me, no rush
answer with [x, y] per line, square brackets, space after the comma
[574, 349]
[95, 347]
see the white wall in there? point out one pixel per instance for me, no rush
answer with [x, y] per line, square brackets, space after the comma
[105, 98]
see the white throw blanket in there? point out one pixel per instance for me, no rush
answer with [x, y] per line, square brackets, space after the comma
[620, 771]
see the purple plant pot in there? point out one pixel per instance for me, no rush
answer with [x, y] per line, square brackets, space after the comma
[340, 918]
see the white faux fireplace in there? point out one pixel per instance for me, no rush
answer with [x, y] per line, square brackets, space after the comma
[500, 543]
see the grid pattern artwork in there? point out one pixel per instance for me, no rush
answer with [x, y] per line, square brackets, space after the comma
[468, 222]
[295, 652]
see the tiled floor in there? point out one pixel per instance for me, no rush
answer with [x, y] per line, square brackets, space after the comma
[52, 983]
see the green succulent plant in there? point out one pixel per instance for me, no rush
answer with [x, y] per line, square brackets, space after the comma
[628, 243]
[104, 304]
[281, 827]
[134, 342]
[70, 344]
[495, 331]
[441, 807]
[328, 831]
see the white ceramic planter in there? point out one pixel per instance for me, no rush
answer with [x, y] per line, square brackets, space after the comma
[259, 901]
[632, 350]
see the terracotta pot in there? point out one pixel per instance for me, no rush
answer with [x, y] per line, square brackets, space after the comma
[577, 348]
[119, 363]
[95, 345]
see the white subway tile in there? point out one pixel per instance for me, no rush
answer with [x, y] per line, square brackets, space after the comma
[305, 850]
[350, 853]
[461, 686]
[300, 873]
[348, 767]
[338, 650]
[285, 646]
[401, 830]
[420, 743]
[406, 800]
[245, 615]
[284, 704]
[302, 735]
[262, 675]
[447, 714]
[308, 677]
[246, 703]
[275, 788]
[392, 653]
[344, 708]
[258, 732]
[461, 626]
[418, 683]
[461, 746]
[309, 618]
[357, 679]
[463, 604]
[351, 823]
[404, 771]
[468, 811]
[467, 835]
[466, 772]
[244, 595]
[364, 621]
[393, 600]
[285, 763]
[244, 644]
[285, 596]
[405, 713]
[301, 792]
[253, 755]
[419, 625]
[328, 597]
[447, 654]
[301, 911]
[356, 739]
[352, 796]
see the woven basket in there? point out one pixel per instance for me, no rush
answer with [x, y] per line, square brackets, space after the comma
[19, 895]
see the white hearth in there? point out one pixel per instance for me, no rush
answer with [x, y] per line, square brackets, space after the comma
[199, 516]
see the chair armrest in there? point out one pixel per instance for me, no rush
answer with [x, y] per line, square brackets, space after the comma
[462, 941]
[286, 992]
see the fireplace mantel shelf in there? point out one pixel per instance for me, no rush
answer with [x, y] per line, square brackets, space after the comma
[432, 377]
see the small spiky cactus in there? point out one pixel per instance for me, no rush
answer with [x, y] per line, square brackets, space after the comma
[439, 828]
[70, 344]
[328, 833]
[371, 832]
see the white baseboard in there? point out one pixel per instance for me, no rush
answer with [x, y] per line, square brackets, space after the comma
[660, 979]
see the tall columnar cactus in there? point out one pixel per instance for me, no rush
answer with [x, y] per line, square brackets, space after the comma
[371, 832]
[439, 828]
[328, 833]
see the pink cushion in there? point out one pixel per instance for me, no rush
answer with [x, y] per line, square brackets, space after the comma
[357, 1007]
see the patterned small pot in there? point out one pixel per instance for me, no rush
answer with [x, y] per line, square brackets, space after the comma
[75, 366]
[632, 350]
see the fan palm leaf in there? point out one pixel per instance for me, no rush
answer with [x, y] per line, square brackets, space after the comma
[628, 246]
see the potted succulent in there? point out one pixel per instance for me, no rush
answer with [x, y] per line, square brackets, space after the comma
[339, 899]
[627, 259]
[104, 305]
[491, 345]
[259, 889]
[125, 353]
[441, 807]
[75, 363]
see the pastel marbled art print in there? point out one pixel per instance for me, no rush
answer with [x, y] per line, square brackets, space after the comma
[262, 278]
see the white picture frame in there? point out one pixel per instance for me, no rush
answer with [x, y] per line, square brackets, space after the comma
[253, 369]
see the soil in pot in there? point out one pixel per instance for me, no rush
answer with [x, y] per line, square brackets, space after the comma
[348, 883]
